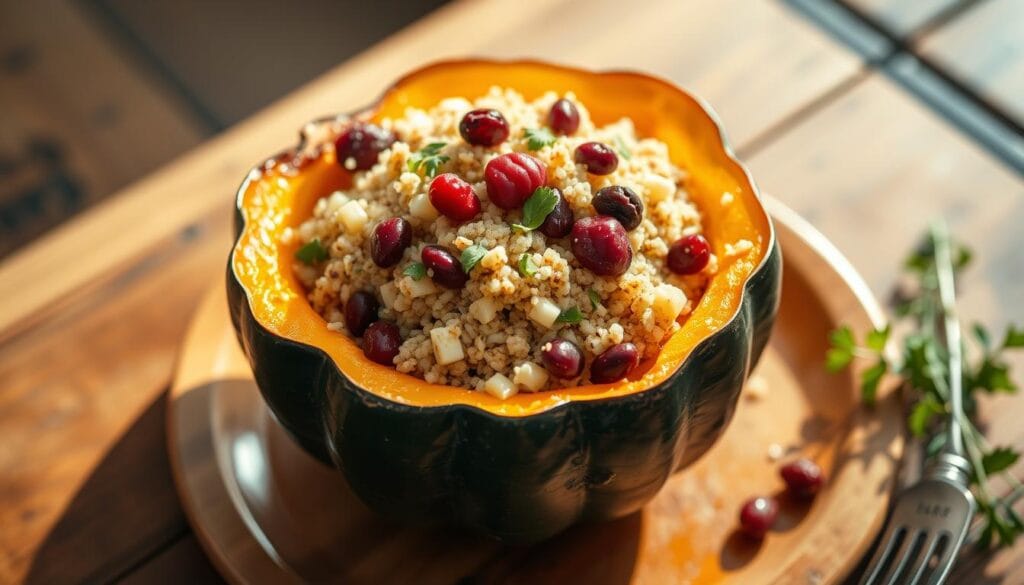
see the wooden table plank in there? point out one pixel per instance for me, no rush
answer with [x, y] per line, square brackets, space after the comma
[754, 60]
[903, 17]
[182, 562]
[870, 171]
[984, 48]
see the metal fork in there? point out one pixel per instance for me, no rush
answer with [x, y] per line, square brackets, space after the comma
[930, 518]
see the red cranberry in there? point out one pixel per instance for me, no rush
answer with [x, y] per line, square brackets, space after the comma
[511, 179]
[454, 198]
[381, 342]
[597, 157]
[622, 204]
[601, 244]
[615, 363]
[558, 223]
[564, 118]
[757, 516]
[803, 478]
[389, 240]
[562, 358]
[360, 311]
[362, 142]
[689, 254]
[447, 270]
[483, 127]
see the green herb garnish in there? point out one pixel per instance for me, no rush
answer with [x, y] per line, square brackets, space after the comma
[537, 208]
[571, 315]
[526, 266]
[539, 138]
[595, 300]
[620, 145]
[922, 367]
[429, 159]
[471, 256]
[416, 270]
[312, 252]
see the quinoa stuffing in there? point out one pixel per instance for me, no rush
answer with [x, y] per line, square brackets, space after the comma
[505, 245]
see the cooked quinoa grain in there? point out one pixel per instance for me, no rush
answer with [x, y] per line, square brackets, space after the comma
[521, 289]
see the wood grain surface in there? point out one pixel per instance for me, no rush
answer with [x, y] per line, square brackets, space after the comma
[92, 314]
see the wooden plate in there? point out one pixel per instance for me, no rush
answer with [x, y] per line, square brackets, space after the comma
[268, 513]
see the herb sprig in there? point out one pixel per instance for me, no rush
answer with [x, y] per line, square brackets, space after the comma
[537, 139]
[312, 252]
[429, 159]
[924, 373]
[537, 208]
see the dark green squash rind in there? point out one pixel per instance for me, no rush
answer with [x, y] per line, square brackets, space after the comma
[518, 479]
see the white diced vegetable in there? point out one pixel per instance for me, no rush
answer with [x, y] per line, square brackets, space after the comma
[388, 294]
[421, 287]
[658, 188]
[447, 345]
[484, 310]
[421, 207]
[545, 312]
[353, 216]
[669, 302]
[499, 386]
[530, 376]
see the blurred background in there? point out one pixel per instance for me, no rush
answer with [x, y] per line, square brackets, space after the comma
[97, 93]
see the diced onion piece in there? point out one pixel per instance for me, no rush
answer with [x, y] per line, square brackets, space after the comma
[658, 188]
[353, 216]
[669, 302]
[388, 294]
[530, 376]
[421, 207]
[484, 310]
[545, 312]
[447, 346]
[500, 387]
[421, 287]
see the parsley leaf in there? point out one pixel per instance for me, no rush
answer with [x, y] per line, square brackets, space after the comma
[537, 208]
[539, 138]
[595, 300]
[869, 381]
[571, 315]
[416, 270]
[841, 353]
[877, 338]
[429, 159]
[922, 414]
[1014, 337]
[471, 256]
[312, 252]
[526, 266]
[999, 459]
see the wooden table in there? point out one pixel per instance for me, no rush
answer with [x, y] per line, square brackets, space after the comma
[91, 315]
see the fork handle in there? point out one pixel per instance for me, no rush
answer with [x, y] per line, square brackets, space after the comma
[951, 332]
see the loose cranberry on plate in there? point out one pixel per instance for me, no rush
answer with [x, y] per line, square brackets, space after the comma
[453, 197]
[564, 118]
[599, 158]
[757, 516]
[362, 142]
[360, 312]
[622, 203]
[615, 363]
[689, 254]
[447, 270]
[558, 223]
[562, 358]
[803, 478]
[511, 179]
[381, 341]
[389, 240]
[483, 127]
[601, 245]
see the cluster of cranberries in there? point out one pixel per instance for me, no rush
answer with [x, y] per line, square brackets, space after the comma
[381, 338]
[803, 480]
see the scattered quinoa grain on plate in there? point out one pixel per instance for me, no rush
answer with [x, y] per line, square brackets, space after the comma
[511, 245]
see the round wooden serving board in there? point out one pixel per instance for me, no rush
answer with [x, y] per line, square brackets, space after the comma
[268, 513]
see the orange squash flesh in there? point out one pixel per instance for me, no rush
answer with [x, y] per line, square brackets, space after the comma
[274, 198]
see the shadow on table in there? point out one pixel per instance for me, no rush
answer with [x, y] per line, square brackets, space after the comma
[125, 514]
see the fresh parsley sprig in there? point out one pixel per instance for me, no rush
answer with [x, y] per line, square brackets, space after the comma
[537, 139]
[922, 366]
[537, 208]
[312, 252]
[472, 256]
[429, 159]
